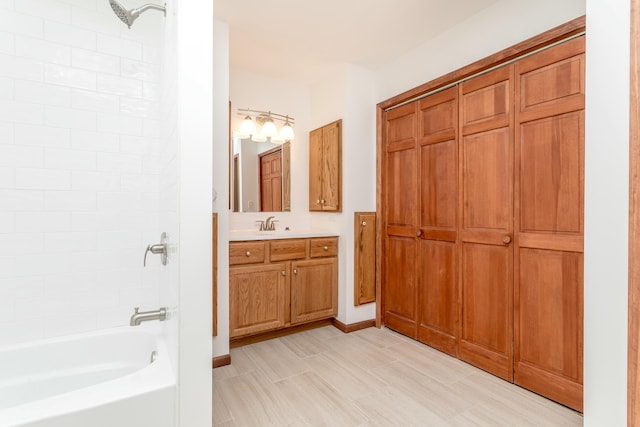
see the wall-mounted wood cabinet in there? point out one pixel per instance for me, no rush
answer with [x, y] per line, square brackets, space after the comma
[325, 168]
[274, 284]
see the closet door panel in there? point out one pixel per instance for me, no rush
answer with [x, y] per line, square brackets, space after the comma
[549, 208]
[400, 224]
[439, 117]
[549, 293]
[549, 353]
[487, 189]
[486, 308]
[400, 285]
[439, 185]
[551, 174]
[487, 101]
[438, 296]
[486, 232]
[402, 198]
[552, 81]
[487, 253]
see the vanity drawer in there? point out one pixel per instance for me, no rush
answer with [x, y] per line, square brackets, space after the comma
[246, 252]
[288, 249]
[324, 247]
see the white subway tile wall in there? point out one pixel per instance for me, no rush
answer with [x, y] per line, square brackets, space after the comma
[80, 163]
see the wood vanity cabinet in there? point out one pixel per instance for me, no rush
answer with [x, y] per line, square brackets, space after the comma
[274, 284]
[325, 168]
[314, 283]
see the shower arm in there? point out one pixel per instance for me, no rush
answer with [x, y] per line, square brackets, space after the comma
[148, 6]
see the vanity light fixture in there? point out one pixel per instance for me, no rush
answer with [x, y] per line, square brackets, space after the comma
[269, 131]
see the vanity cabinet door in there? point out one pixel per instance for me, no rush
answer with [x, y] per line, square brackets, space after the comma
[257, 298]
[314, 289]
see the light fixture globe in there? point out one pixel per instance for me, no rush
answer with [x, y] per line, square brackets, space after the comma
[248, 127]
[269, 128]
[286, 132]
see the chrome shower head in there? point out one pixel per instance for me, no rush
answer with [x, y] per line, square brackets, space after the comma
[128, 16]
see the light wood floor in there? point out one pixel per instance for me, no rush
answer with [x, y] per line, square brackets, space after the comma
[371, 377]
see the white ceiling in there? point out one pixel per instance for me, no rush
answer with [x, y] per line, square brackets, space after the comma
[297, 39]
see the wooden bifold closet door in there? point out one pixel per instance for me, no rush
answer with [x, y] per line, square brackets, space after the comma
[486, 229]
[482, 190]
[549, 217]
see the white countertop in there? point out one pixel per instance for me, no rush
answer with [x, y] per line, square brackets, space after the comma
[241, 235]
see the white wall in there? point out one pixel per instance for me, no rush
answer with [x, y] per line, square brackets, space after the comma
[196, 123]
[348, 94]
[501, 25]
[79, 166]
[606, 213]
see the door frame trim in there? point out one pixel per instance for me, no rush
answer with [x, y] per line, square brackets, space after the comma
[552, 36]
[633, 342]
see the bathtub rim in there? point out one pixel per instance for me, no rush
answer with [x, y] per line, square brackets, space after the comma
[151, 378]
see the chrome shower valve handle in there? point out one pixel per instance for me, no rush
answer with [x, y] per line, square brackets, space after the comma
[160, 248]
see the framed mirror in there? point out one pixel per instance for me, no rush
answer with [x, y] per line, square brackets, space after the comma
[260, 176]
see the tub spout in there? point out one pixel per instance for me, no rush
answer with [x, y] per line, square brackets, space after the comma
[144, 316]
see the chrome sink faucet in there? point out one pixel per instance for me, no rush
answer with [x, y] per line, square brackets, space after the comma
[269, 224]
[144, 316]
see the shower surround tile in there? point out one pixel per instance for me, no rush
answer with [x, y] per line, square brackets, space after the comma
[94, 61]
[116, 46]
[22, 112]
[71, 77]
[33, 48]
[47, 9]
[79, 175]
[6, 89]
[41, 93]
[42, 136]
[69, 35]
[21, 24]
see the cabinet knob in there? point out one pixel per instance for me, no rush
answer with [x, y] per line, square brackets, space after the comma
[506, 240]
[322, 201]
[326, 248]
[247, 254]
[295, 271]
[419, 233]
[284, 273]
[318, 202]
[364, 223]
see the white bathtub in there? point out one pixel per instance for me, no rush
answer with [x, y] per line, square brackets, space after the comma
[103, 378]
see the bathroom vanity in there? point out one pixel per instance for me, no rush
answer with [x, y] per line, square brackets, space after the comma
[277, 281]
